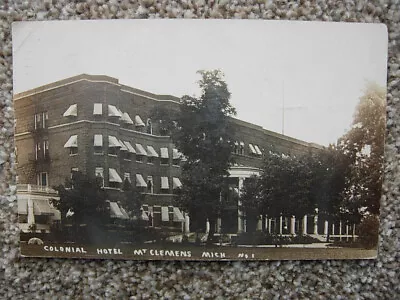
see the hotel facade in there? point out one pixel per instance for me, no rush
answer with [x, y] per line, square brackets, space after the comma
[95, 125]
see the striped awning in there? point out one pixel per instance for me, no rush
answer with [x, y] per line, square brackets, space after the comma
[113, 176]
[126, 118]
[98, 140]
[130, 147]
[176, 154]
[140, 150]
[113, 111]
[151, 151]
[117, 212]
[176, 183]
[138, 121]
[72, 142]
[71, 111]
[140, 181]
[257, 149]
[97, 109]
[252, 149]
[164, 152]
[123, 147]
[164, 183]
[113, 142]
[178, 216]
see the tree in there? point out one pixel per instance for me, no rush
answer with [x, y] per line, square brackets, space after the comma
[363, 146]
[132, 200]
[84, 202]
[204, 135]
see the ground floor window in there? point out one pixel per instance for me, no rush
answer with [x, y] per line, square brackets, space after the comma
[42, 179]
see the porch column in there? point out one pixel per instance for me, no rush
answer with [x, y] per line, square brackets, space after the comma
[305, 224]
[280, 224]
[340, 229]
[259, 223]
[240, 213]
[187, 223]
[316, 222]
[293, 225]
[347, 232]
[31, 214]
[219, 222]
[354, 232]
[326, 224]
[207, 226]
[269, 225]
[333, 228]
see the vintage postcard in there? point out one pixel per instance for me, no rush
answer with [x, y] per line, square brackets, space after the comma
[199, 139]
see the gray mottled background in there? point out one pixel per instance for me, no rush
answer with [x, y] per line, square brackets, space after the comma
[47, 278]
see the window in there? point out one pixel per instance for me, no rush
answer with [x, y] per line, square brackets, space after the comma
[139, 158]
[149, 126]
[37, 150]
[73, 150]
[45, 117]
[99, 173]
[37, 121]
[127, 176]
[241, 148]
[150, 159]
[150, 184]
[45, 149]
[113, 150]
[98, 144]
[42, 179]
[73, 171]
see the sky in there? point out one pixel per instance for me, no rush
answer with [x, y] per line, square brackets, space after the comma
[314, 72]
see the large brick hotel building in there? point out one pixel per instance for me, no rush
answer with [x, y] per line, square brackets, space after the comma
[98, 126]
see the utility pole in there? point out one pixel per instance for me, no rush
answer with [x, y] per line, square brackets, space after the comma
[283, 107]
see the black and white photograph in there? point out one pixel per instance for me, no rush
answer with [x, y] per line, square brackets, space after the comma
[199, 139]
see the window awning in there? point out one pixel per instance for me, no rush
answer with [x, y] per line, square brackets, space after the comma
[72, 111]
[117, 212]
[140, 150]
[176, 154]
[72, 142]
[241, 143]
[151, 151]
[22, 206]
[236, 143]
[113, 141]
[164, 183]
[164, 152]
[164, 214]
[257, 150]
[140, 181]
[126, 118]
[130, 147]
[43, 208]
[176, 183]
[98, 140]
[113, 176]
[145, 217]
[178, 216]
[138, 121]
[123, 147]
[252, 149]
[113, 111]
[98, 109]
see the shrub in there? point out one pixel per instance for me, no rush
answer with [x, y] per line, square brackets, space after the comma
[368, 231]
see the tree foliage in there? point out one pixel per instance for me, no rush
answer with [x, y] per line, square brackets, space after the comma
[132, 200]
[203, 134]
[363, 146]
[85, 199]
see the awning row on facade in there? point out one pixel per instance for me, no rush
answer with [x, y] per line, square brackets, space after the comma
[124, 146]
[36, 207]
[254, 149]
[176, 183]
[168, 213]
